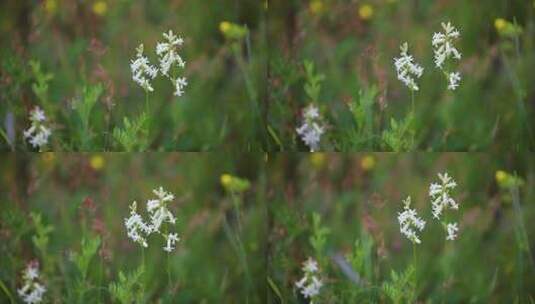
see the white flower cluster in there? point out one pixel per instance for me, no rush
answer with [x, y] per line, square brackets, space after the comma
[444, 49]
[407, 69]
[409, 221]
[143, 72]
[312, 127]
[310, 284]
[31, 291]
[441, 200]
[168, 57]
[37, 133]
[138, 230]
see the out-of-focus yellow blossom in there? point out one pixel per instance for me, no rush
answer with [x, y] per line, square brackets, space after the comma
[316, 7]
[232, 31]
[501, 176]
[50, 6]
[366, 12]
[97, 162]
[100, 8]
[507, 29]
[367, 163]
[317, 159]
[233, 183]
[507, 180]
[500, 24]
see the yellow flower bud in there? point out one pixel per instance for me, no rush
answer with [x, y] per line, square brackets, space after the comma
[96, 162]
[100, 8]
[366, 12]
[501, 176]
[500, 24]
[367, 163]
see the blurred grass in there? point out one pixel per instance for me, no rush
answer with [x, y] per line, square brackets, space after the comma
[359, 199]
[491, 110]
[205, 267]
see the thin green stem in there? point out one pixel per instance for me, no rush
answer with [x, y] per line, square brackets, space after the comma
[169, 269]
[6, 291]
[412, 101]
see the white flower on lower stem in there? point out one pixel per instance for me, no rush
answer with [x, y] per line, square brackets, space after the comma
[180, 84]
[142, 71]
[443, 44]
[312, 127]
[139, 230]
[452, 229]
[31, 291]
[454, 79]
[310, 285]
[409, 222]
[407, 69]
[167, 51]
[172, 238]
[440, 195]
[37, 134]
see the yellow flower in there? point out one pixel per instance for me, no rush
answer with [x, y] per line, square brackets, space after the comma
[100, 8]
[317, 159]
[367, 162]
[500, 24]
[501, 176]
[366, 12]
[226, 179]
[224, 27]
[96, 162]
[50, 6]
[232, 30]
[316, 7]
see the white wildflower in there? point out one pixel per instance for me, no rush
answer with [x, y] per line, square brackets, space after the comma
[136, 228]
[452, 231]
[139, 230]
[443, 44]
[31, 291]
[167, 52]
[37, 134]
[310, 284]
[454, 79]
[440, 195]
[409, 221]
[172, 238]
[312, 128]
[143, 72]
[407, 69]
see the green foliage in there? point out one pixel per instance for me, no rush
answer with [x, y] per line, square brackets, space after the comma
[129, 287]
[400, 288]
[42, 231]
[361, 258]
[83, 259]
[83, 107]
[40, 87]
[134, 134]
[313, 81]
[318, 239]
[400, 136]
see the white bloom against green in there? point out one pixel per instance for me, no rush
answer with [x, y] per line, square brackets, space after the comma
[440, 194]
[139, 230]
[310, 284]
[441, 200]
[407, 69]
[38, 133]
[31, 291]
[454, 79]
[167, 52]
[443, 44]
[312, 127]
[142, 71]
[452, 229]
[444, 49]
[409, 222]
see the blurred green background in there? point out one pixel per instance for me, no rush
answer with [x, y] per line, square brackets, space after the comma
[84, 43]
[85, 195]
[353, 44]
[357, 198]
